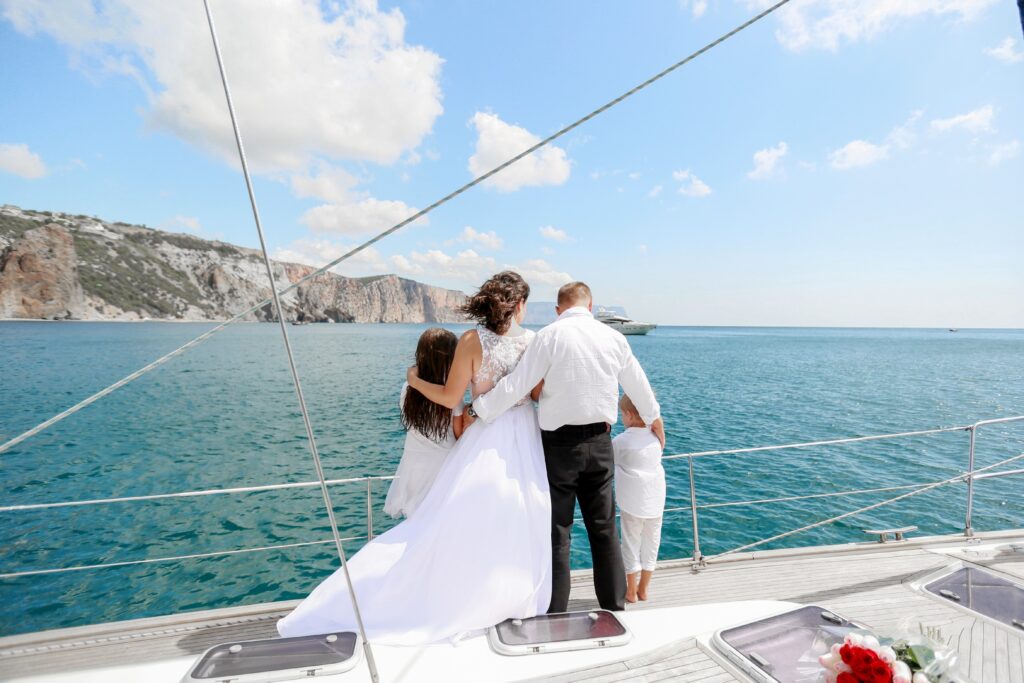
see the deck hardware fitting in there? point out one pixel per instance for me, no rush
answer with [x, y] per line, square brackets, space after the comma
[759, 660]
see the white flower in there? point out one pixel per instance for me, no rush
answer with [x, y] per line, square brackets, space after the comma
[887, 654]
[920, 678]
[900, 672]
[871, 643]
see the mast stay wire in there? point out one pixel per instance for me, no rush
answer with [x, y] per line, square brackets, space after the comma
[7, 445]
[311, 440]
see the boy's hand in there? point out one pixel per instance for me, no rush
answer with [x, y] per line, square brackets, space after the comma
[658, 428]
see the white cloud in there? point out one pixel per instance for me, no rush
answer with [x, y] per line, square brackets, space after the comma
[1006, 51]
[655, 191]
[306, 81]
[21, 161]
[550, 232]
[472, 268]
[697, 7]
[692, 186]
[187, 223]
[635, 175]
[317, 252]
[977, 121]
[1003, 152]
[540, 272]
[642, 248]
[329, 183]
[358, 216]
[498, 141]
[464, 266]
[857, 153]
[827, 24]
[547, 251]
[904, 135]
[766, 160]
[487, 239]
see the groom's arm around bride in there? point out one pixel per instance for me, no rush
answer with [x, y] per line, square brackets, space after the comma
[582, 362]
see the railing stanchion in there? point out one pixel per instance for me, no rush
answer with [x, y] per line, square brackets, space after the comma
[968, 528]
[369, 509]
[698, 558]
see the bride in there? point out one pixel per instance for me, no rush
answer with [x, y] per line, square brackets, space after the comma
[477, 550]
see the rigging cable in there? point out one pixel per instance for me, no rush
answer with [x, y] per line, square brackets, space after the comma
[7, 445]
[368, 651]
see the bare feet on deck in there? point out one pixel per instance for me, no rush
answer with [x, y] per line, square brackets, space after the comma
[645, 581]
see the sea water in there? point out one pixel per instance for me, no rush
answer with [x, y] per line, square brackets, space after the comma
[224, 414]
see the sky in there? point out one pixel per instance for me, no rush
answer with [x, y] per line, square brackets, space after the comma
[841, 163]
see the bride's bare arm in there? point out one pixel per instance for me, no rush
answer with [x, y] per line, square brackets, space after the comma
[467, 355]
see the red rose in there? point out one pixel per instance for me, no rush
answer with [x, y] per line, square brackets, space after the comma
[847, 677]
[867, 658]
[846, 654]
[881, 673]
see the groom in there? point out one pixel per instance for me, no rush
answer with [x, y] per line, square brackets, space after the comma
[582, 362]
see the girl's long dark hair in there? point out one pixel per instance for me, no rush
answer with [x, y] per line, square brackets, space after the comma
[435, 352]
[495, 302]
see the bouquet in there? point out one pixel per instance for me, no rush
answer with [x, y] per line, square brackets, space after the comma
[863, 658]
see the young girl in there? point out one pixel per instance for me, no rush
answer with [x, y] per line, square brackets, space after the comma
[431, 429]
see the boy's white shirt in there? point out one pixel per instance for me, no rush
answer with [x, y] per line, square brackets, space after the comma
[639, 475]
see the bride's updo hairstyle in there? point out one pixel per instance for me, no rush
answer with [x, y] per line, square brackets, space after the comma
[495, 302]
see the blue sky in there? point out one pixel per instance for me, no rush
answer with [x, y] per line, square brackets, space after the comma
[837, 164]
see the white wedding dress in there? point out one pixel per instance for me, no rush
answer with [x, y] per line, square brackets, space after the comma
[475, 552]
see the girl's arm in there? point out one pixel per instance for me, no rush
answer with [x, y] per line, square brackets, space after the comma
[535, 394]
[457, 425]
[467, 354]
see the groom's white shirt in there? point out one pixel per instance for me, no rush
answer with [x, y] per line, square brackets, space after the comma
[582, 362]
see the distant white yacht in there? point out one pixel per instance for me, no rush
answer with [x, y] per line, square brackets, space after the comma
[622, 323]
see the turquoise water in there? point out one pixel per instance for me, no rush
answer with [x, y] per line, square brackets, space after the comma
[225, 415]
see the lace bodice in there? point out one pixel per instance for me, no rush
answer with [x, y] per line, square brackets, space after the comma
[500, 356]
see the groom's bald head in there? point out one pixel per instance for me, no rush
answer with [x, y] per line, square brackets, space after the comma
[574, 294]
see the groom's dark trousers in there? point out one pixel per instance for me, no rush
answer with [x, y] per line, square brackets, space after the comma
[580, 465]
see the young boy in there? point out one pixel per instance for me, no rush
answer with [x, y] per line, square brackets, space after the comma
[640, 491]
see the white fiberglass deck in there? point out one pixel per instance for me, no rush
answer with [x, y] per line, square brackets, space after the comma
[869, 583]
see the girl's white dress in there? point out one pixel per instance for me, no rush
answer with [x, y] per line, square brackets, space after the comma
[422, 458]
[475, 552]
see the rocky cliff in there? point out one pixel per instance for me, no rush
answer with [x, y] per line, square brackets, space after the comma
[60, 266]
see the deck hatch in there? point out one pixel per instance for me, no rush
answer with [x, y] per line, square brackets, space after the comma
[559, 632]
[784, 647]
[277, 658]
[984, 593]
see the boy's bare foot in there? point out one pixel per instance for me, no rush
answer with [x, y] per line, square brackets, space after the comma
[645, 581]
[631, 587]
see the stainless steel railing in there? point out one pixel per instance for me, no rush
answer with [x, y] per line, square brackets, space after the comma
[970, 476]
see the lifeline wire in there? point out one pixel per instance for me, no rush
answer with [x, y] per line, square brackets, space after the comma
[419, 214]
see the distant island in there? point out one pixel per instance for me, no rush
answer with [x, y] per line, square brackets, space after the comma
[59, 266]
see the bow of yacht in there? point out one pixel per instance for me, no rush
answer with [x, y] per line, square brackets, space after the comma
[675, 636]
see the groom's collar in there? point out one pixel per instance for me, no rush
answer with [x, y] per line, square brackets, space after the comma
[575, 311]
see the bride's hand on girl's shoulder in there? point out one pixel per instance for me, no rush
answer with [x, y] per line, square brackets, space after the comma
[412, 374]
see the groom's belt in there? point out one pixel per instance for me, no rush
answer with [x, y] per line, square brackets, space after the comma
[579, 431]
